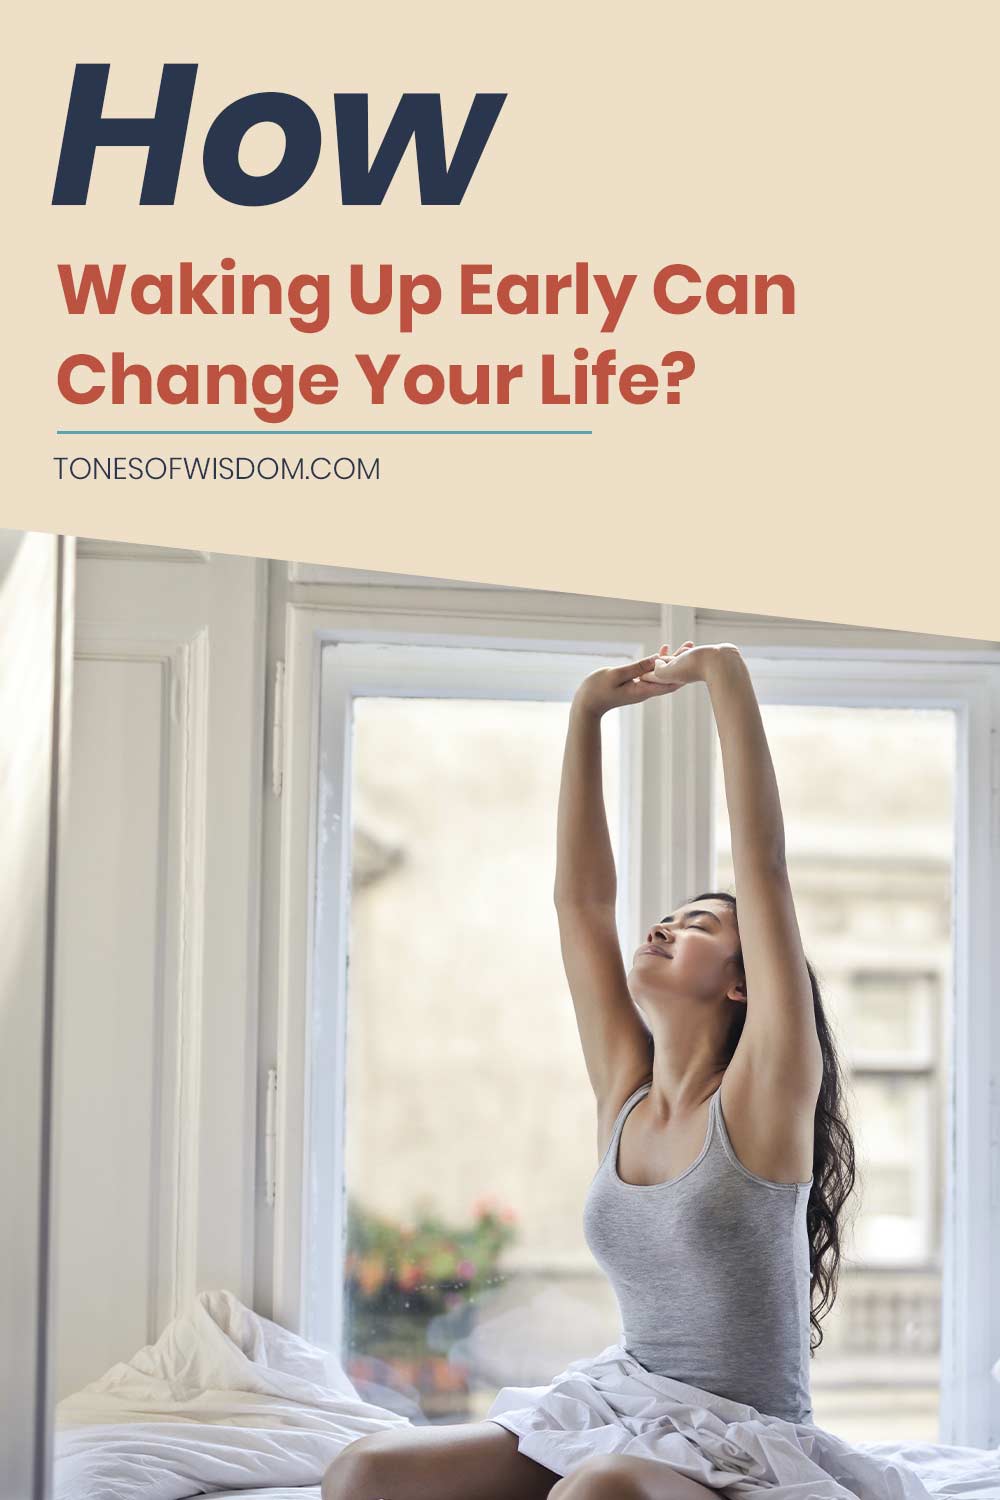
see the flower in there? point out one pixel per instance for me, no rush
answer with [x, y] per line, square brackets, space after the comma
[422, 1262]
[409, 1275]
[371, 1274]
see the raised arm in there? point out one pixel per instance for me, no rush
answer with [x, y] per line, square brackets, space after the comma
[779, 1037]
[614, 1036]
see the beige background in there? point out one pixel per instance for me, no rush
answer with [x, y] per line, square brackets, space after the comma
[836, 465]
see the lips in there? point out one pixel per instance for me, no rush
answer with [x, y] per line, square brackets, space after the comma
[655, 948]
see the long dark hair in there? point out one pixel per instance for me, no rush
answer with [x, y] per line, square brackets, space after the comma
[834, 1165]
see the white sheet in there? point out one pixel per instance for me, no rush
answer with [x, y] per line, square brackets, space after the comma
[224, 1400]
[229, 1404]
[611, 1404]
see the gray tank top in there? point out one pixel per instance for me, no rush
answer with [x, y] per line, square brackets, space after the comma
[711, 1272]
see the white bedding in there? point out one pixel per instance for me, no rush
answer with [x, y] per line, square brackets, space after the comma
[611, 1404]
[224, 1401]
[229, 1404]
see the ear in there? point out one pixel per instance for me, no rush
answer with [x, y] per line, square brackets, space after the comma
[738, 992]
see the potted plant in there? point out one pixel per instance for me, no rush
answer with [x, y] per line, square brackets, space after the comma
[401, 1276]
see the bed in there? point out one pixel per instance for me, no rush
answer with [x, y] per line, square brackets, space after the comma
[227, 1403]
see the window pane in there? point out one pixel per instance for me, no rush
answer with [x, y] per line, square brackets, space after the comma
[867, 795]
[892, 1014]
[893, 1132]
[471, 1134]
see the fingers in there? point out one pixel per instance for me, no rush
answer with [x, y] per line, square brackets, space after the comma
[640, 669]
[633, 669]
[667, 659]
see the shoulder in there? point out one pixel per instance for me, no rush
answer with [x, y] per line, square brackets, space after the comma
[613, 1104]
[769, 1120]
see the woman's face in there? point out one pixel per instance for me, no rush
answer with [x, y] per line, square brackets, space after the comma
[690, 953]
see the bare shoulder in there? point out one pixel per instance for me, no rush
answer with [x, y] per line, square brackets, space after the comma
[769, 1119]
[611, 1103]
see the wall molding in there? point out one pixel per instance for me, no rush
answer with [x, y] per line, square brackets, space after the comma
[96, 549]
[183, 663]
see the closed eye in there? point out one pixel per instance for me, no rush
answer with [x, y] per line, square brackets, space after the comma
[688, 921]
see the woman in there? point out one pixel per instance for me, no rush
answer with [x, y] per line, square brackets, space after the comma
[725, 1160]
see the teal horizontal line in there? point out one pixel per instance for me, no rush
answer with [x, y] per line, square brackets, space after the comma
[325, 432]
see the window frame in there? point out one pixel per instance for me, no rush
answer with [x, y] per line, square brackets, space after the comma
[362, 669]
[306, 1235]
[670, 856]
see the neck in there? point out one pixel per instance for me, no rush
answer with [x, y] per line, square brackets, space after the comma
[687, 1047]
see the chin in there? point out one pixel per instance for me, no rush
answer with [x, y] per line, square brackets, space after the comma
[644, 994]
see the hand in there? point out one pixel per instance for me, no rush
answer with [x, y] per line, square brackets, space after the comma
[613, 687]
[689, 663]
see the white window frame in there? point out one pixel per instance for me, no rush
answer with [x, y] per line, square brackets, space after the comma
[308, 1125]
[670, 856]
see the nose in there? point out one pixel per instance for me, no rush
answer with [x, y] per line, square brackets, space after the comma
[659, 934]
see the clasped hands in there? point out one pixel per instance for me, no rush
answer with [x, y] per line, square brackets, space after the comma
[652, 677]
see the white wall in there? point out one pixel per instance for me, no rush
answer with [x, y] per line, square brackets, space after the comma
[157, 991]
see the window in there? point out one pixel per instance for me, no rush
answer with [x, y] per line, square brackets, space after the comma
[868, 795]
[469, 1130]
[910, 973]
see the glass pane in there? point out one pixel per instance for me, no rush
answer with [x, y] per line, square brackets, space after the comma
[894, 1137]
[892, 1015]
[868, 795]
[470, 1121]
